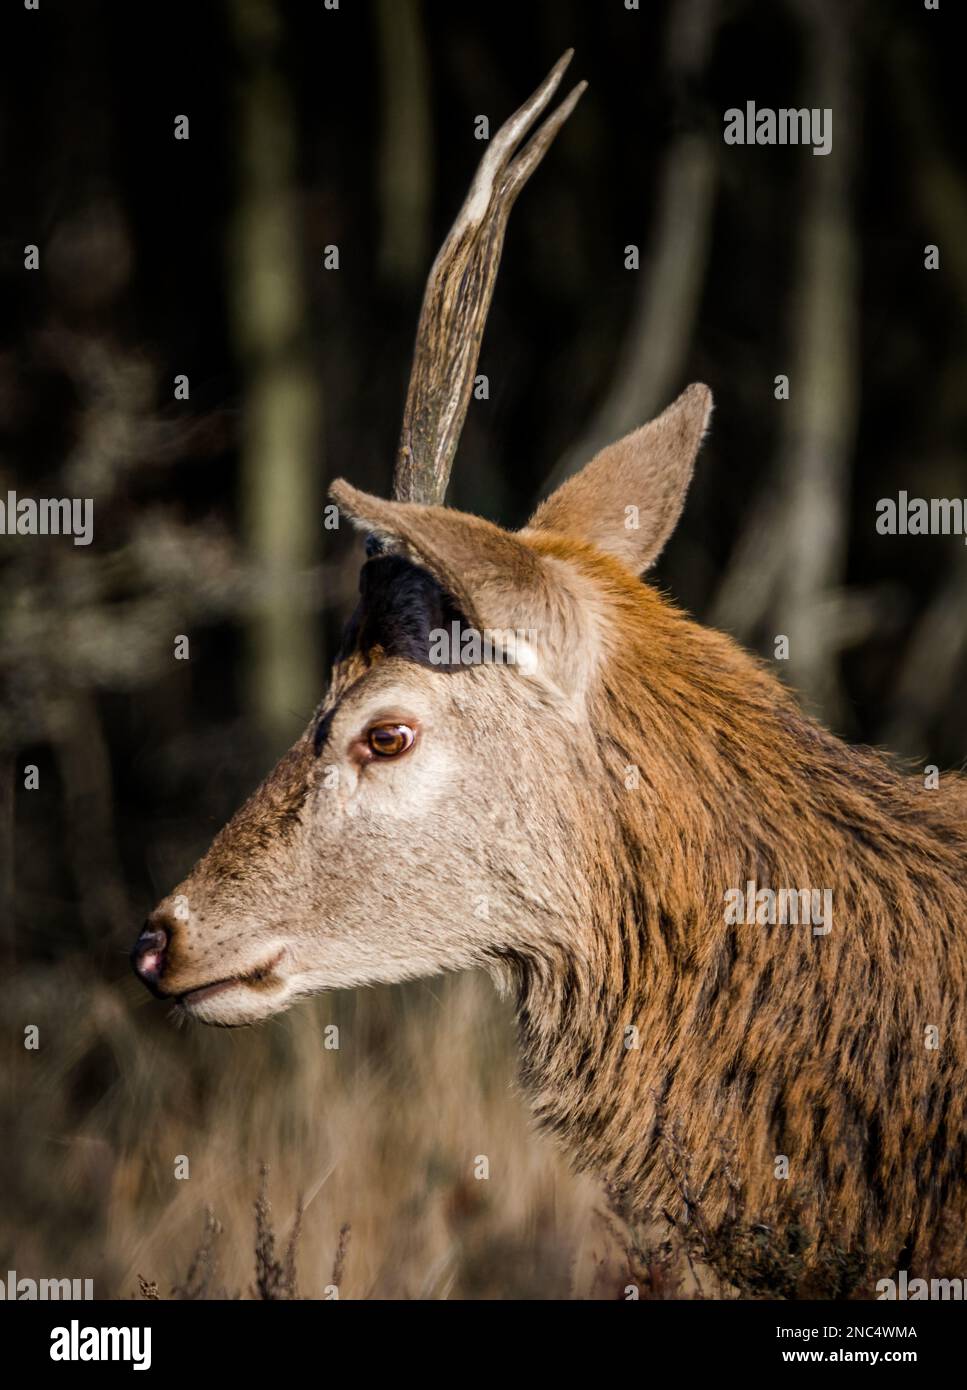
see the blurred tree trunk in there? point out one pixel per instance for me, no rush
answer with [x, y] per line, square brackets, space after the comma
[280, 467]
[790, 560]
[822, 409]
[666, 306]
[8, 930]
[938, 642]
[936, 180]
[406, 154]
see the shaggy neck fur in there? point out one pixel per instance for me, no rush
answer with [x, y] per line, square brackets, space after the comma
[753, 1042]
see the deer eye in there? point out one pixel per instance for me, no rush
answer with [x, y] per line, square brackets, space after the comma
[389, 740]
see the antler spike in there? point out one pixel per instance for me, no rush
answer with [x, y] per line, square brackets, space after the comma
[458, 294]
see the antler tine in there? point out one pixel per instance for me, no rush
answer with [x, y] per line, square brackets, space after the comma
[458, 294]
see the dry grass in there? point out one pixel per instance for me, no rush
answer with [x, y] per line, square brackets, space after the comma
[379, 1136]
[367, 1151]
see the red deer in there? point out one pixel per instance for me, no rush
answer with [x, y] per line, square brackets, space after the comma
[575, 824]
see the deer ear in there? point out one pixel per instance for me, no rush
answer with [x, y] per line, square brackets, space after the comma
[628, 499]
[496, 580]
[488, 572]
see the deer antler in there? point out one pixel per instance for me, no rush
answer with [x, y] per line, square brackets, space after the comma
[458, 294]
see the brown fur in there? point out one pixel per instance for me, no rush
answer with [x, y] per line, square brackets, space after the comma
[756, 1041]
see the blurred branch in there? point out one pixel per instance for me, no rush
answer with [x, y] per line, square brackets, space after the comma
[118, 429]
[77, 738]
[119, 612]
[938, 647]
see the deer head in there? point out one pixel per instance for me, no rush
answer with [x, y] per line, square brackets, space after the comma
[437, 812]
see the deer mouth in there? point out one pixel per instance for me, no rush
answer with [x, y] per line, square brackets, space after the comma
[261, 977]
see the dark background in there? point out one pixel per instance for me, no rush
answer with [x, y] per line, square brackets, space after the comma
[355, 128]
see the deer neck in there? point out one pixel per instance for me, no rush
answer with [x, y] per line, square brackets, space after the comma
[644, 1037]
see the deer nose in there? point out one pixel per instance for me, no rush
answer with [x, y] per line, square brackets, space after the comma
[150, 952]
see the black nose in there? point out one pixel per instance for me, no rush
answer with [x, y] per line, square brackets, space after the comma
[149, 954]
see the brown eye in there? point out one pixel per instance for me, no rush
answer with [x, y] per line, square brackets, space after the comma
[389, 740]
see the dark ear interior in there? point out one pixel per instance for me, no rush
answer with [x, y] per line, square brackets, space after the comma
[400, 604]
